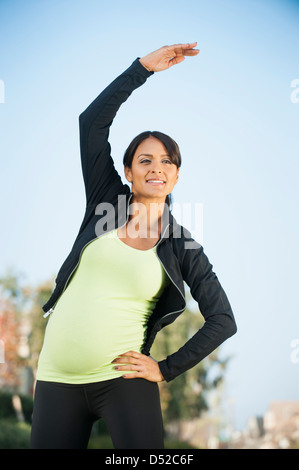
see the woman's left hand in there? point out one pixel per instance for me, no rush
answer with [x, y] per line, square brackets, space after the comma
[145, 367]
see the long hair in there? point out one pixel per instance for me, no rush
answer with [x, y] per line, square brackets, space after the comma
[170, 145]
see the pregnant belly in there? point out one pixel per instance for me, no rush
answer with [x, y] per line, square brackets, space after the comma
[88, 342]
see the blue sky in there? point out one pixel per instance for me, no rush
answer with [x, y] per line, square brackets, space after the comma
[229, 109]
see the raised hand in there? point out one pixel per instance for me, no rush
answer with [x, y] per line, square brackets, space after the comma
[167, 56]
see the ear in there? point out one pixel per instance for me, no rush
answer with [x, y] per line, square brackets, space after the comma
[128, 174]
[177, 176]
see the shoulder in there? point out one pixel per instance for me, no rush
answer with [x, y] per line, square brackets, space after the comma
[183, 245]
[193, 262]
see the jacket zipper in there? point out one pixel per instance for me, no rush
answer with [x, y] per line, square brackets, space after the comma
[170, 313]
[65, 285]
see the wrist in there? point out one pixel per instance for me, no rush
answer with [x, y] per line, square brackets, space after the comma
[145, 66]
[160, 374]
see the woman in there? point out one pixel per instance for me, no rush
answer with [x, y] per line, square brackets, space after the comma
[113, 295]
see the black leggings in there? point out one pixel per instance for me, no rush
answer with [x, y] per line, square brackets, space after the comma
[63, 414]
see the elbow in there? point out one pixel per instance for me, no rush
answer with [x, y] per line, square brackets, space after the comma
[81, 118]
[231, 328]
[227, 325]
[83, 121]
[234, 329]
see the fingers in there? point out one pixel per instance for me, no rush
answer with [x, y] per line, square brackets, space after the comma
[189, 45]
[133, 362]
[176, 60]
[178, 52]
[132, 376]
[126, 368]
[138, 366]
[128, 360]
[135, 354]
[191, 52]
[130, 357]
[166, 56]
[186, 49]
[130, 364]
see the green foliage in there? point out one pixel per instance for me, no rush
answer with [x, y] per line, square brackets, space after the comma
[100, 439]
[38, 296]
[22, 305]
[6, 407]
[103, 441]
[27, 407]
[7, 410]
[14, 435]
[177, 445]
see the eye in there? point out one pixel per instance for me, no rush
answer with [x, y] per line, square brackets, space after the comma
[146, 160]
[167, 161]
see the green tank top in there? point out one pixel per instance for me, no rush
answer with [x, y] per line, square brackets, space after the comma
[102, 313]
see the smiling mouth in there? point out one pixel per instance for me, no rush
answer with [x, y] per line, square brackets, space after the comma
[156, 182]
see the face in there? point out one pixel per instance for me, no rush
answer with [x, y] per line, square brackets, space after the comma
[152, 173]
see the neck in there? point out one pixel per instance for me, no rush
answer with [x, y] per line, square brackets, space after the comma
[146, 215]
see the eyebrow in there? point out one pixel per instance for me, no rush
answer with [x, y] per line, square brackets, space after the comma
[150, 155]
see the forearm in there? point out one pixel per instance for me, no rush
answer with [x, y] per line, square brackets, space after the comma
[214, 332]
[100, 113]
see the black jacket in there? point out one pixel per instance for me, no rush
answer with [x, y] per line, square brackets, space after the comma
[107, 201]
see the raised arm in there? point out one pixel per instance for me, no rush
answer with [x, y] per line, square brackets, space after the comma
[100, 176]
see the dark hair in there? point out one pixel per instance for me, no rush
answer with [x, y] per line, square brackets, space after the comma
[170, 145]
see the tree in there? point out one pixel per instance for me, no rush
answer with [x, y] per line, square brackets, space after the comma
[10, 334]
[21, 326]
[38, 295]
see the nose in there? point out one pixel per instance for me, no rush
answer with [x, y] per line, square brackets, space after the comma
[156, 168]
